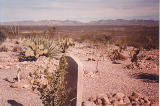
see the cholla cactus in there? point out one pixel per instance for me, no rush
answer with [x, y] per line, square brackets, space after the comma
[65, 43]
[134, 55]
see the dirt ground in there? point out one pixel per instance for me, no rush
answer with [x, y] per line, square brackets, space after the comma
[101, 75]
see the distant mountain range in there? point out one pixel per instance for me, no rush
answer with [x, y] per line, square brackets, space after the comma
[77, 23]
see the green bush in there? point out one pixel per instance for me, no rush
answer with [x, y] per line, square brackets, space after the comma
[54, 92]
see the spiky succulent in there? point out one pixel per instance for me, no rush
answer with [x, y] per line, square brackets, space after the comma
[35, 47]
[66, 43]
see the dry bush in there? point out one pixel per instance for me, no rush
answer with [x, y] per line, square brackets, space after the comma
[95, 38]
[2, 36]
[146, 37]
[12, 32]
[17, 49]
[3, 49]
[50, 32]
[117, 55]
[144, 41]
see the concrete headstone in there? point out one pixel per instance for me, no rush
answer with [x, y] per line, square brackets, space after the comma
[74, 79]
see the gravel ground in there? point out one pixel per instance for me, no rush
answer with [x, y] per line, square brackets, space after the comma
[112, 78]
[100, 76]
[16, 95]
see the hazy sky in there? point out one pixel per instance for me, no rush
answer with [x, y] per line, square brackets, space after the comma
[81, 10]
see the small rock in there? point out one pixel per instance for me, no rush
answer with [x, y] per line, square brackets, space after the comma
[128, 104]
[26, 86]
[105, 99]
[136, 99]
[135, 104]
[126, 100]
[121, 102]
[98, 101]
[91, 59]
[112, 100]
[137, 95]
[88, 103]
[109, 95]
[146, 100]
[92, 99]
[108, 105]
[141, 101]
[146, 104]
[116, 103]
[155, 104]
[119, 96]
[153, 101]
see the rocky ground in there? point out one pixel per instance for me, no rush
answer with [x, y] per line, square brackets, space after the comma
[105, 82]
[119, 99]
[110, 77]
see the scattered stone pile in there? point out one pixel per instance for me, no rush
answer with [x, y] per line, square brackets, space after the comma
[119, 99]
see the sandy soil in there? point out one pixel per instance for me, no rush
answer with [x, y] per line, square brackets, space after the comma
[101, 76]
[113, 78]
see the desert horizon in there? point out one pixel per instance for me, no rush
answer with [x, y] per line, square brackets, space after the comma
[79, 53]
[79, 23]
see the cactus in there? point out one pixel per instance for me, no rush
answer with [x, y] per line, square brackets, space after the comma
[40, 45]
[29, 53]
[66, 43]
[134, 55]
[33, 50]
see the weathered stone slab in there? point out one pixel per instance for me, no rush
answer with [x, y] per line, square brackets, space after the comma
[74, 79]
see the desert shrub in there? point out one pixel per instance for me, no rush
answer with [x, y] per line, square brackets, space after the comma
[17, 49]
[2, 36]
[134, 55]
[65, 44]
[11, 31]
[3, 49]
[84, 37]
[136, 59]
[14, 31]
[138, 41]
[144, 41]
[53, 92]
[117, 55]
[16, 42]
[95, 37]
[50, 32]
[108, 38]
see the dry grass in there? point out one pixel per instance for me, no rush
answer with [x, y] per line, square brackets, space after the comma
[146, 37]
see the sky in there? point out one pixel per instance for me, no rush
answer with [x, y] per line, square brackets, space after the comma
[78, 10]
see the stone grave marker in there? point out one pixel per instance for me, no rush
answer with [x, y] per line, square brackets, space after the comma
[74, 79]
